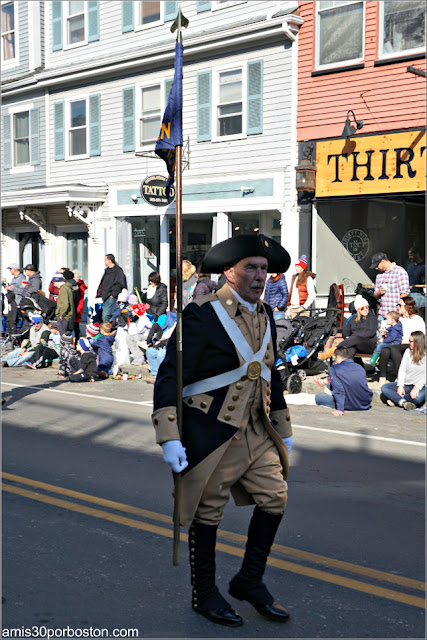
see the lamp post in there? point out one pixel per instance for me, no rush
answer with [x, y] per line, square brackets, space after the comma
[306, 172]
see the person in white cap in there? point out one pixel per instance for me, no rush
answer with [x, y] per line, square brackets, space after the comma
[16, 284]
[359, 333]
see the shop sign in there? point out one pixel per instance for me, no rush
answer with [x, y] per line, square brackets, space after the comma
[153, 190]
[357, 244]
[388, 163]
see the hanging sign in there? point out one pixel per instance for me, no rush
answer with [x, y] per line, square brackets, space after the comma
[153, 190]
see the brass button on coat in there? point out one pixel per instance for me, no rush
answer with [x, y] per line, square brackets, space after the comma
[171, 417]
[227, 416]
[190, 400]
[235, 397]
[239, 385]
[203, 405]
[231, 407]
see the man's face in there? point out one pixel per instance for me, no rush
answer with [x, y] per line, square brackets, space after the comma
[247, 277]
[108, 262]
[381, 266]
[14, 272]
[38, 325]
[28, 273]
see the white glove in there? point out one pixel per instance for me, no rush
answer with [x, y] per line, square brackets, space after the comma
[288, 443]
[174, 455]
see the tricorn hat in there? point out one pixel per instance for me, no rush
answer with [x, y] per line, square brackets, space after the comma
[229, 252]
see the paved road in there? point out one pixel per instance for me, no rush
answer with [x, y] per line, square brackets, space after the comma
[86, 510]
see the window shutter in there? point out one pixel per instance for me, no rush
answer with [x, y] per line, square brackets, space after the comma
[56, 26]
[203, 5]
[95, 125]
[204, 106]
[59, 130]
[127, 16]
[168, 87]
[7, 141]
[92, 21]
[171, 10]
[254, 111]
[129, 119]
[35, 136]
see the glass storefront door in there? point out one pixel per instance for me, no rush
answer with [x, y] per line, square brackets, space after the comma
[145, 232]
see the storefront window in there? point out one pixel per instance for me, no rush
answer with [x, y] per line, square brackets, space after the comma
[145, 232]
[245, 223]
[350, 231]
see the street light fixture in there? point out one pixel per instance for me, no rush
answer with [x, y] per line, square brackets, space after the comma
[306, 172]
[348, 128]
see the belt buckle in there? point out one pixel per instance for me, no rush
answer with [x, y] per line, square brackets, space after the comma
[254, 370]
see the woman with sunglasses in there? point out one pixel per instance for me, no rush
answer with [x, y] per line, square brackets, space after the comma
[409, 391]
[411, 322]
[359, 332]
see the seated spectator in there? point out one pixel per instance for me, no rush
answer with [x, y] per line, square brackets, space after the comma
[348, 387]
[411, 322]
[156, 295]
[302, 294]
[47, 351]
[123, 311]
[85, 367]
[21, 354]
[79, 302]
[392, 334]
[409, 391]
[92, 330]
[203, 286]
[276, 294]
[103, 346]
[138, 330]
[359, 332]
[66, 352]
[155, 354]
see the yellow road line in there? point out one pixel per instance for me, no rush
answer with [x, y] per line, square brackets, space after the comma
[289, 551]
[281, 564]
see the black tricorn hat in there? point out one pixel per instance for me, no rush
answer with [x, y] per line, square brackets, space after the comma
[229, 252]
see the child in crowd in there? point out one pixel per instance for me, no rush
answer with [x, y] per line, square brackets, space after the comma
[92, 331]
[103, 344]
[83, 368]
[66, 352]
[47, 351]
[392, 334]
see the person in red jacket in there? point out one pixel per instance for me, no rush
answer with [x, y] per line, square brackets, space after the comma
[53, 287]
[302, 292]
[80, 303]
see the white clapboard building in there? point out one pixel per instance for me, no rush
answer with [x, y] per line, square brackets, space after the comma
[84, 87]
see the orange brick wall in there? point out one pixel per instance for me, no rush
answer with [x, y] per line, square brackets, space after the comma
[385, 97]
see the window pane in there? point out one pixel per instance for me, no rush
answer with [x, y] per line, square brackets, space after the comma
[22, 152]
[230, 86]
[151, 99]
[229, 109]
[76, 29]
[21, 125]
[9, 46]
[78, 142]
[8, 18]
[76, 6]
[78, 113]
[340, 34]
[150, 128]
[150, 11]
[230, 126]
[404, 26]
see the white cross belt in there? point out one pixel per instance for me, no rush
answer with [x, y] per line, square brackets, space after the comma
[243, 348]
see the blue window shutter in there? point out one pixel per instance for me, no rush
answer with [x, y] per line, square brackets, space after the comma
[254, 107]
[168, 87]
[35, 136]
[204, 83]
[203, 5]
[7, 141]
[127, 16]
[56, 26]
[171, 10]
[129, 119]
[95, 125]
[59, 130]
[92, 21]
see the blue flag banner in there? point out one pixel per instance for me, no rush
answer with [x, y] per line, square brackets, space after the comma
[171, 132]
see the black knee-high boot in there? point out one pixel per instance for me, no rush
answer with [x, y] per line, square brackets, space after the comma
[207, 599]
[247, 584]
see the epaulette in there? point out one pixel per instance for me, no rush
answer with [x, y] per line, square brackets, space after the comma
[209, 297]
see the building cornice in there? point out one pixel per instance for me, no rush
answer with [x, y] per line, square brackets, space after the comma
[60, 194]
[162, 54]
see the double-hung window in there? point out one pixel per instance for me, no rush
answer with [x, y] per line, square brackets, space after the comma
[230, 103]
[151, 114]
[339, 32]
[78, 131]
[21, 139]
[149, 12]
[402, 27]
[8, 35]
[75, 22]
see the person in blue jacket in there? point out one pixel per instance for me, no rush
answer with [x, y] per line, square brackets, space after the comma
[348, 384]
[276, 294]
[103, 345]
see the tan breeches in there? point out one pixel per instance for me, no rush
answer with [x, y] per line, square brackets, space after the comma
[253, 460]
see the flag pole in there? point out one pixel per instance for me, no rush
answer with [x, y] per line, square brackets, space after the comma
[179, 354]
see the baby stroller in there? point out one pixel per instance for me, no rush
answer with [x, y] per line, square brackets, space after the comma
[37, 303]
[301, 339]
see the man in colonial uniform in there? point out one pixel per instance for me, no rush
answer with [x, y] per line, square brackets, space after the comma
[236, 432]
